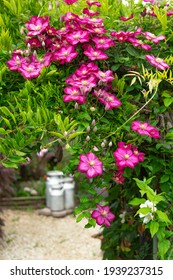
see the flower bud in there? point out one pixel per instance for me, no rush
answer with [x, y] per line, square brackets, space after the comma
[28, 46]
[105, 141]
[50, 6]
[88, 129]
[76, 106]
[87, 138]
[43, 44]
[95, 129]
[22, 30]
[103, 145]
[92, 109]
[93, 122]
[110, 144]
[35, 54]
[57, 4]
[65, 133]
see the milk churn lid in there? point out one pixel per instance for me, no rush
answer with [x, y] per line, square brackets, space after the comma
[54, 173]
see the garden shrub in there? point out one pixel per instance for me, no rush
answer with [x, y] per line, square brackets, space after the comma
[99, 82]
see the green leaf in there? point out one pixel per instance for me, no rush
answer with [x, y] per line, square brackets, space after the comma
[164, 178]
[75, 134]
[154, 226]
[168, 101]
[163, 247]
[79, 218]
[92, 222]
[7, 112]
[7, 122]
[136, 201]
[2, 130]
[59, 122]
[144, 211]
[163, 217]
[9, 165]
[59, 135]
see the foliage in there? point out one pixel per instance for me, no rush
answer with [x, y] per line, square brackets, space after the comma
[33, 114]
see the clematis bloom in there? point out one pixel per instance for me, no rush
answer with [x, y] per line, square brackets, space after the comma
[144, 128]
[36, 25]
[125, 158]
[157, 62]
[103, 215]
[90, 165]
[70, 2]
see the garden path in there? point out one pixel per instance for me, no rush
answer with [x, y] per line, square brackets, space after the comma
[29, 236]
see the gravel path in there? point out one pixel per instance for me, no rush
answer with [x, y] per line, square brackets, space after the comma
[36, 237]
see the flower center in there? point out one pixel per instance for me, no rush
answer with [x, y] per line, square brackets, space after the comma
[91, 163]
[110, 99]
[84, 83]
[65, 53]
[142, 126]
[126, 156]
[76, 36]
[101, 41]
[29, 69]
[102, 74]
[95, 53]
[136, 152]
[38, 27]
[84, 72]
[75, 92]
[159, 60]
[104, 213]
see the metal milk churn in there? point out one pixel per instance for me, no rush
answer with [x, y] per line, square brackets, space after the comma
[69, 186]
[57, 196]
[53, 177]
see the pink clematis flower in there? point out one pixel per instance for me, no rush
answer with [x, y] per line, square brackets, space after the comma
[15, 62]
[125, 157]
[95, 54]
[30, 70]
[126, 18]
[109, 100]
[157, 62]
[65, 54]
[70, 2]
[153, 38]
[36, 25]
[90, 13]
[90, 3]
[118, 177]
[103, 42]
[78, 37]
[145, 129]
[90, 165]
[42, 152]
[74, 93]
[138, 43]
[103, 215]
[105, 76]
[139, 155]
[124, 145]
[34, 43]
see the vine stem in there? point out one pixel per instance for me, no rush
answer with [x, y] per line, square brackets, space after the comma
[134, 114]
[155, 247]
